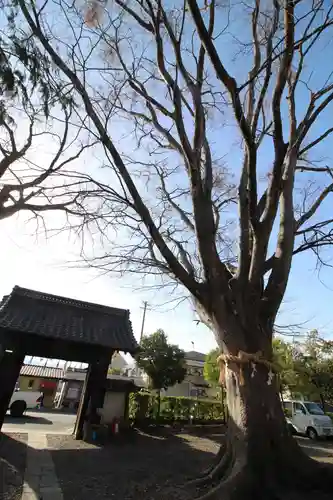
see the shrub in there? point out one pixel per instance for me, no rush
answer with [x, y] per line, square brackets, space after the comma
[145, 406]
[330, 414]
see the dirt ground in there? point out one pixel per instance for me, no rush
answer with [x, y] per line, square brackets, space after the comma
[148, 466]
[12, 465]
[144, 466]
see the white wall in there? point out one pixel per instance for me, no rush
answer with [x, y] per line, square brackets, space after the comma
[114, 406]
[177, 390]
[118, 362]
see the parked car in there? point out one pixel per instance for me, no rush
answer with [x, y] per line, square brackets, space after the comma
[307, 417]
[22, 401]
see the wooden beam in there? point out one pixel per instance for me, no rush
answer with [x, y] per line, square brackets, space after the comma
[45, 347]
[99, 384]
[10, 366]
[93, 393]
[83, 406]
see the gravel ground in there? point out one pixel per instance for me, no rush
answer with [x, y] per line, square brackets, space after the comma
[145, 466]
[13, 451]
[149, 467]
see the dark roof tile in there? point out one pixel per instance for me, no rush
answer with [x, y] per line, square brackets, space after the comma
[41, 371]
[195, 356]
[52, 316]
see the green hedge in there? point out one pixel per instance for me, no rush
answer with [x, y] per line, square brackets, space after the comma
[144, 406]
[330, 414]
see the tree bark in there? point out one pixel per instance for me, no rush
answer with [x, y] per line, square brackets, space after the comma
[259, 458]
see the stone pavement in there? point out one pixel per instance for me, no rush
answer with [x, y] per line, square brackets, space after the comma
[40, 480]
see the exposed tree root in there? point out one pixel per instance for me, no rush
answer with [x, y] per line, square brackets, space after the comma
[259, 460]
[235, 481]
[218, 470]
[220, 454]
[292, 476]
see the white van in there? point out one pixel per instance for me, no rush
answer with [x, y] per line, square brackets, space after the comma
[22, 401]
[306, 417]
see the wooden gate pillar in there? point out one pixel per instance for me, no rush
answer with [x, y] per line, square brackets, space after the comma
[93, 393]
[10, 366]
[99, 385]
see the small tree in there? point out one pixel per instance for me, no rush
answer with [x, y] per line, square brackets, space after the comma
[306, 367]
[212, 373]
[211, 368]
[314, 366]
[283, 355]
[164, 363]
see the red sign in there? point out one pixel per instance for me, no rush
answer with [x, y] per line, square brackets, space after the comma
[48, 384]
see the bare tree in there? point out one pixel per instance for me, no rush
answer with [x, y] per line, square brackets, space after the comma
[40, 141]
[158, 83]
[35, 169]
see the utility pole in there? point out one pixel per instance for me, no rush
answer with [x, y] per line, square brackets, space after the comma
[136, 368]
[143, 319]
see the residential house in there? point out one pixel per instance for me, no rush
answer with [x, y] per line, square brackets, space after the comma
[72, 380]
[40, 378]
[194, 384]
[118, 364]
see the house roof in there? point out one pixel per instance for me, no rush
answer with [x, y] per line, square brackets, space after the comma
[195, 356]
[56, 317]
[41, 371]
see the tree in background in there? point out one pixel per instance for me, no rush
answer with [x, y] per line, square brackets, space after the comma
[212, 373]
[164, 363]
[306, 367]
[283, 355]
[211, 367]
[314, 366]
[162, 84]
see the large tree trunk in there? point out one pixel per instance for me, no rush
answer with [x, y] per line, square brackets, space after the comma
[260, 459]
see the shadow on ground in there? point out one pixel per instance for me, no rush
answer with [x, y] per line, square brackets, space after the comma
[13, 452]
[145, 466]
[27, 419]
[321, 450]
[141, 466]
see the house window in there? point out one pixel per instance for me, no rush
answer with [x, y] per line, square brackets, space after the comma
[31, 383]
[195, 372]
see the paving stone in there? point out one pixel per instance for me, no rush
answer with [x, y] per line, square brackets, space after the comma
[40, 477]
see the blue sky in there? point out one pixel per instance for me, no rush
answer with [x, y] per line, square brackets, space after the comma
[42, 264]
